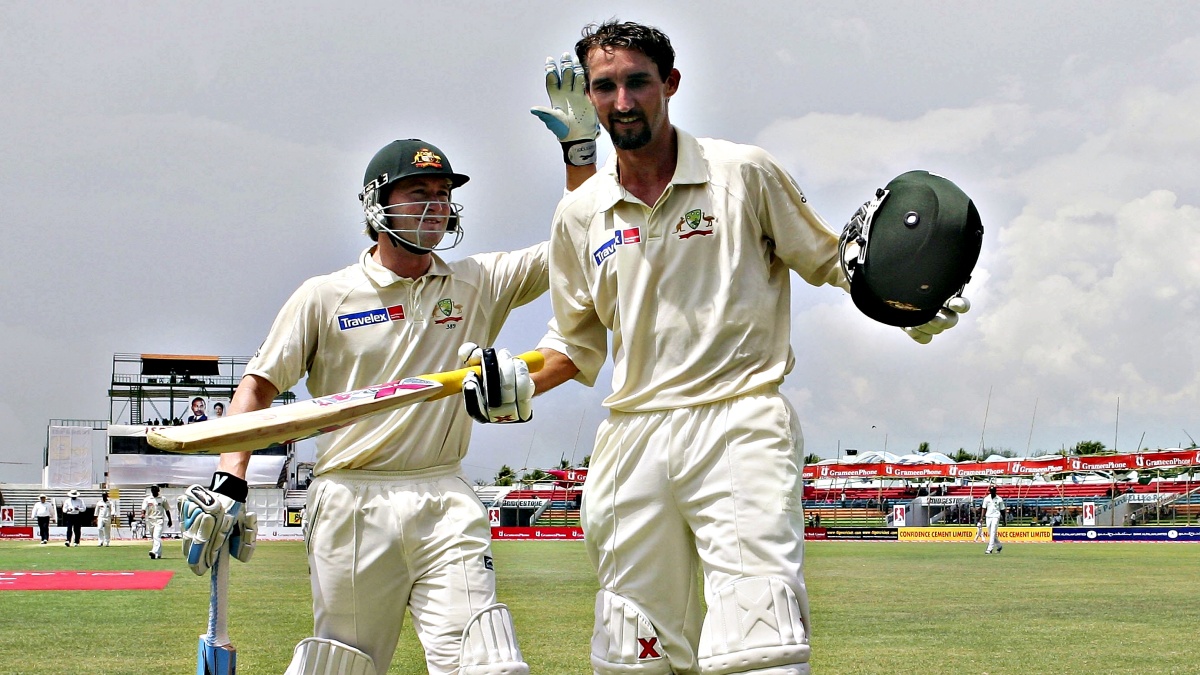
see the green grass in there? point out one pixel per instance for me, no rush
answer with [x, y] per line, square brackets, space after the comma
[877, 608]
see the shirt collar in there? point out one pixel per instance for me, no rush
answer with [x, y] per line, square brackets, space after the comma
[382, 276]
[690, 169]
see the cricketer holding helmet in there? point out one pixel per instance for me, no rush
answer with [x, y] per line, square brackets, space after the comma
[391, 524]
[682, 248]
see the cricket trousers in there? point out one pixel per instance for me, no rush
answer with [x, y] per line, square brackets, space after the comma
[379, 542]
[715, 488]
[104, 531]
[156, 533]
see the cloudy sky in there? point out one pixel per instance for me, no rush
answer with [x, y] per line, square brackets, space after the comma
[172, 171]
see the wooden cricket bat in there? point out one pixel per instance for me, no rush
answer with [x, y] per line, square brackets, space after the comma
[215, 654]
[305, 419]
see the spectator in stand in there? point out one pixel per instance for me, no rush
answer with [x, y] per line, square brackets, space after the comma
[44, 512]
[73, 509]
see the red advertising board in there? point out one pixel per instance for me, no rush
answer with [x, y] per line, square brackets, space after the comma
[1011, 467]
[16, 533]
[538, 533]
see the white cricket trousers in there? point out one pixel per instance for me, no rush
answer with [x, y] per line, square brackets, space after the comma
[104, 531]
[379, 542]
[156, 532]
[715, 488]
[993, 533]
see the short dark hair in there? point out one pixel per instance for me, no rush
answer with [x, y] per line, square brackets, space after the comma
[614, 34]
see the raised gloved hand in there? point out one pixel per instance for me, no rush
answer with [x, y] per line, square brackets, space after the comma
[504, 393]
[947, 318]
[211, 517]
[570, 115]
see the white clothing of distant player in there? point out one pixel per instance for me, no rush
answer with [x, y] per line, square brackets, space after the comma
[993, 509]
[390, 521]
[105, 512]
[698, 465]
[156, 512]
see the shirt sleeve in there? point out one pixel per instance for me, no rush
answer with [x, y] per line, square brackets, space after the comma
[576, 330]
[802, 239]
[516, 278]
[286, 355]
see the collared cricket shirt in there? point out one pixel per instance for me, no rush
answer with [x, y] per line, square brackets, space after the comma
[364, 325]
[695, 289]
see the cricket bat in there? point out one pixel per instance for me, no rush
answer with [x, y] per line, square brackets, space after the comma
[305, 419]
[216, 655]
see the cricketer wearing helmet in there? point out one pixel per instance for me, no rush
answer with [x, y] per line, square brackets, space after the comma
[391, 524]
[680, 250]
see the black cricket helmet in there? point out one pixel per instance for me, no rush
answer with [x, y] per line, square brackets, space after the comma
[918, 241]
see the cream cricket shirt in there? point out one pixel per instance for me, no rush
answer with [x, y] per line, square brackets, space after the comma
[365, 325]
[694, 290]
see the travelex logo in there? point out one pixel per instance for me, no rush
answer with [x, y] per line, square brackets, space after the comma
[621, 237]
[371, 316]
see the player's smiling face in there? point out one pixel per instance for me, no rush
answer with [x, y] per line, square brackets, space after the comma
[629, 96]
[419, 207]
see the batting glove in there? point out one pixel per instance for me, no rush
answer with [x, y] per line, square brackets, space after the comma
[947, 317]
[504, 392]
[211, 517]
[570, 115]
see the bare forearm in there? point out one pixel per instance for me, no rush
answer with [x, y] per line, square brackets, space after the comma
[253, 393]
[576, 175]
[558, 369]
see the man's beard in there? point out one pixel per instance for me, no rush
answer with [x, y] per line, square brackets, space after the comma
[631, 139]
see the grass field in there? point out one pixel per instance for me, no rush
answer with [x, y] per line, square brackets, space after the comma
[877, 608]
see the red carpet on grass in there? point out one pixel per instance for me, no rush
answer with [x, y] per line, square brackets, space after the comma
[75, 580]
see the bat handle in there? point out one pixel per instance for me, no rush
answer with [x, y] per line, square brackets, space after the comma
[451, 381]
[218, 600]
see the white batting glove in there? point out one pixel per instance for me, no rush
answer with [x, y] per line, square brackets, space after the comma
[947, 318]
[570, 115]
[211, 517]
[504, 393]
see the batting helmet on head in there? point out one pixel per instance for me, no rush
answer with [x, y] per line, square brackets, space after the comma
[404, 159]
[918, 241]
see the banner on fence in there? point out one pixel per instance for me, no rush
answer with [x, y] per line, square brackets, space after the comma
[1144, 534]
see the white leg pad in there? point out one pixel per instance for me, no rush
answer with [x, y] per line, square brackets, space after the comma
[489, 644]
[754, 625]
[624, 641]
[319, 656]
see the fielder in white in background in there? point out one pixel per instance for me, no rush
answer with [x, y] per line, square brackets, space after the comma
[682, 249]
[390, 522]
[105, 511]
[993, 514]
[157, 514]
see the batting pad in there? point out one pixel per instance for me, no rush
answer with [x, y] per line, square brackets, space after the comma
[625, 642]
[489, 644]
[319, 656]
[754, 625]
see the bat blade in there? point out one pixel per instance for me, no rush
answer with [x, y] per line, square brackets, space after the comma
[215, 659]
[305, 419]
